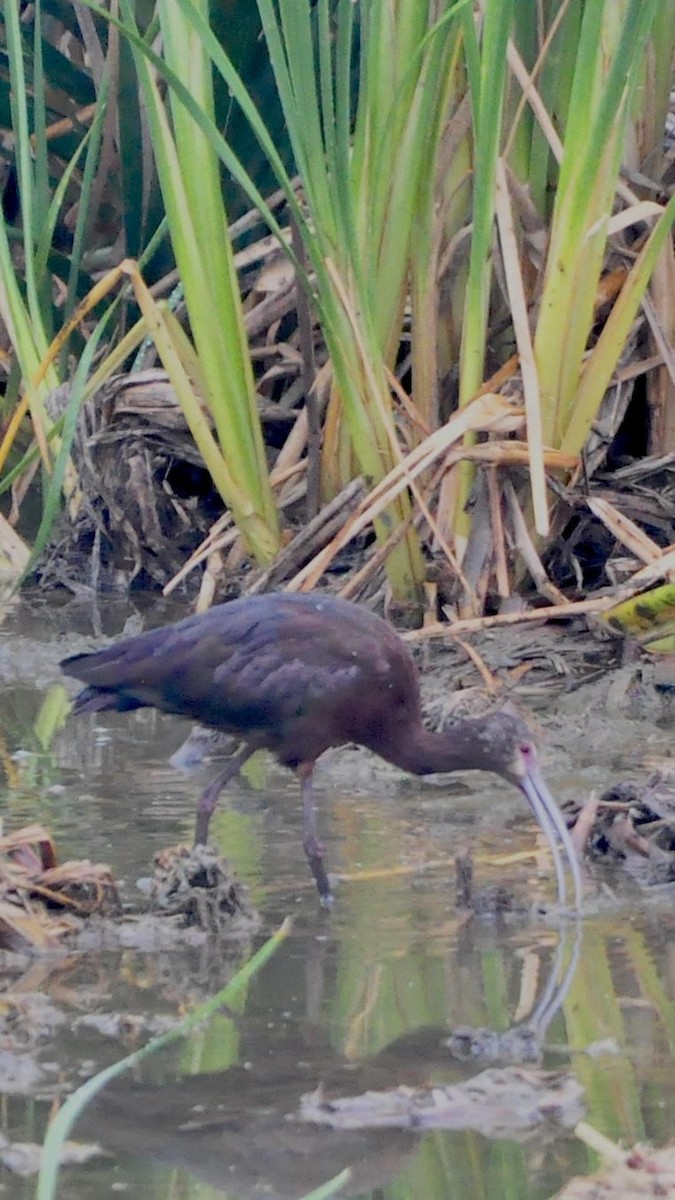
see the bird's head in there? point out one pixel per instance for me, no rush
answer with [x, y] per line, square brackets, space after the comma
[502, 742]
[513, 747]
[508, 745]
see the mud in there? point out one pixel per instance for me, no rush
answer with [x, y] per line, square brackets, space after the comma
[353, 988]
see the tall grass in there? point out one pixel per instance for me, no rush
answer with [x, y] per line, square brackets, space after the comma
[412, 129]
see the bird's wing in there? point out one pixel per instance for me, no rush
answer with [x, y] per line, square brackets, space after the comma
[244, 667]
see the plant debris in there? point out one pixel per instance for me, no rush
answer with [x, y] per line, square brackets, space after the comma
[199, 884]
[40, 899]
[634, 824]
[496, 1103]
[630, 1175]
[25, 1158]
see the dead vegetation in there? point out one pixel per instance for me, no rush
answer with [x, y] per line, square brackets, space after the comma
[199, 885]
[43, 904]
[150, 515]
[629, 1175]
[498, 1102]
[40, 899]
[633, 825]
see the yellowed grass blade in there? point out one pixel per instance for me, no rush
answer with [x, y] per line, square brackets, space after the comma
[521, 325]
[14, 553]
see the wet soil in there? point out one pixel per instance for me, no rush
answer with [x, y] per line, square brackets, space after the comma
[345, 1006]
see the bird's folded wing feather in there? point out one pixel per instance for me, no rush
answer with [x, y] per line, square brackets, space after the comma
[240, 672]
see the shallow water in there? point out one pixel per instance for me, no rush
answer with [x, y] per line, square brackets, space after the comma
[361, 997]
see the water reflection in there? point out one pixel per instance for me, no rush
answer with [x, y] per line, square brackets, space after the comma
[370, 992]
[241, 1130]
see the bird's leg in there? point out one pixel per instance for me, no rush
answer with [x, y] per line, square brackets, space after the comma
[313, 848]
[209, 797]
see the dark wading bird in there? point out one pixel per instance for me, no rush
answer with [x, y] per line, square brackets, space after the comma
[295, 674]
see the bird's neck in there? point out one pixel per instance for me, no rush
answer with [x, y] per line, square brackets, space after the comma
[423, 752]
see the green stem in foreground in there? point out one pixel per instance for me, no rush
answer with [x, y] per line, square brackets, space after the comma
[64, 1120]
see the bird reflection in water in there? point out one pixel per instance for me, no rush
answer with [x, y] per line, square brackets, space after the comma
[267, 1128]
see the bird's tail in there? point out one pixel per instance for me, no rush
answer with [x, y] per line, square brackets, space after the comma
[94, 699]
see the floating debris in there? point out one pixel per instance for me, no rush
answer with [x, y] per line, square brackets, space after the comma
[25, 1158]
[633, 824]
[629, 1174]
[199, 883]
[40, 899]
[497, 1103]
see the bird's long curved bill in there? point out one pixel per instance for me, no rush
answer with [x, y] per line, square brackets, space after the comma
[557, 835]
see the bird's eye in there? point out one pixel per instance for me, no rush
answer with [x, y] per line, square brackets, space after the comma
[526, 749]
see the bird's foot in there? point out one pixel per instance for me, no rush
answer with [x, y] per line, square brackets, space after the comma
[326, 898]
